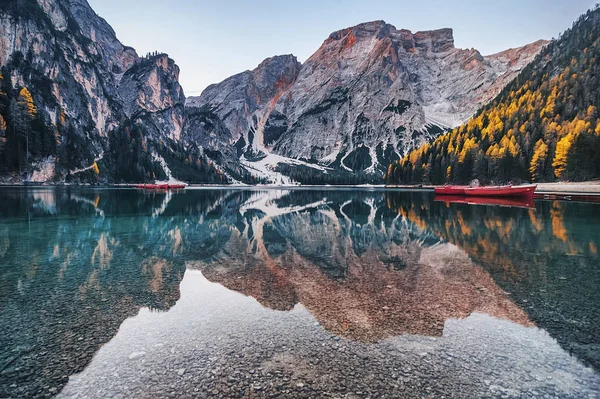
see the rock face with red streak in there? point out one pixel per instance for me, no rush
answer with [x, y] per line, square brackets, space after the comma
[365, 97]
[240, 103]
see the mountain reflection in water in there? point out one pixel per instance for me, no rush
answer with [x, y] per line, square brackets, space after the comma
[364, 272]
[75, 263]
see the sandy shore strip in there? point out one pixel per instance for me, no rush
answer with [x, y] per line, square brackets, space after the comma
[590, 187]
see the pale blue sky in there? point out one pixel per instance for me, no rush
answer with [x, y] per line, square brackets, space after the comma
[211, 40]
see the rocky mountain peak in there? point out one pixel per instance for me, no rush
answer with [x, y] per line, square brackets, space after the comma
[435, 41]
[271, 76]
[150, 88]
[432, 41]
[242, 102]
[515, 57]
[274, 75]
[361, 30]
[277, 62]
[369, 94]
[98, 31]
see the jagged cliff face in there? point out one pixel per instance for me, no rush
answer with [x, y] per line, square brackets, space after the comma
[59, 56]
[242, 102]
[369, 94]
[152, 95]
[79, 74]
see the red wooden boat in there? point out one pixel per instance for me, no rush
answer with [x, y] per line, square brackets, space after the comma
[177, 186]
[502, 191]
[147, 186]
[450, 190]
[517, 202]
[161, 186]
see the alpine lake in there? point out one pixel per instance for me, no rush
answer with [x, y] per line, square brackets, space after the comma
[261, 292]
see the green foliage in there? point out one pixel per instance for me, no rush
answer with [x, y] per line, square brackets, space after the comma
[189, 165]
[387, 156]
[28, 135]
[544, 124]
[359, 159]
[130, 158]
[73, 151]
[311, 176]
[275, 127]
[400, 131]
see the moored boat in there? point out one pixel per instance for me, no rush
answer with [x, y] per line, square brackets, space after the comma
[177, 186]
[161, 186]
[450, 190]
[502, 191]
[146, 186]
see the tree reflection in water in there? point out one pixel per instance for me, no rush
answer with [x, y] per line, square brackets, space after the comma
[546, 258]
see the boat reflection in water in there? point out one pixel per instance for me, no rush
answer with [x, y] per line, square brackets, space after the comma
[518, 202]
[384, 271]
[509, 191]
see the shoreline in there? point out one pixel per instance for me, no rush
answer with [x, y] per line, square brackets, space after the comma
[590, 187]
[558, 188]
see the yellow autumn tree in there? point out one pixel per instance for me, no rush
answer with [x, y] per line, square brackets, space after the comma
[467, 146]
[389, 169]
[95, 168]
[26, 102]
[541, 120]
[591, 114]
[562, 151]
[538, 161]
[2, 133]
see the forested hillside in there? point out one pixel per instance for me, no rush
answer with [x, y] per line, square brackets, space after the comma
[22, 128]
[28, 136]
[78, 106]
[543, 126]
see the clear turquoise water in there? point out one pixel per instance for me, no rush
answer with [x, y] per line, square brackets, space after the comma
[86, 274]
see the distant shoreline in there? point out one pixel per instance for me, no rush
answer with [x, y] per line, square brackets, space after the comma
[228, 186]
[589, 187]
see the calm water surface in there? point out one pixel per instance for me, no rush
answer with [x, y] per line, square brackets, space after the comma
[298, 293]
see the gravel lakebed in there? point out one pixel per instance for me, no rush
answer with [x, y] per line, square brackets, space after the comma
[219, 343]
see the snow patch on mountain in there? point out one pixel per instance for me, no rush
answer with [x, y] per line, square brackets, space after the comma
[265, 168]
